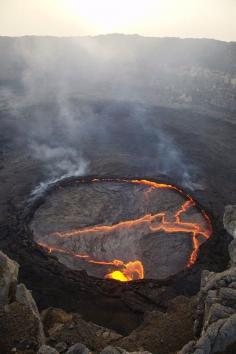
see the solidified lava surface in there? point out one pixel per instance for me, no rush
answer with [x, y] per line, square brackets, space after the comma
[123, 229]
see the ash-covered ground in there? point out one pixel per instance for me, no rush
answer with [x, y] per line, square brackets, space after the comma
[47, 132]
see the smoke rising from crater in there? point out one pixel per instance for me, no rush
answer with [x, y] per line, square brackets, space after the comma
[81, 96]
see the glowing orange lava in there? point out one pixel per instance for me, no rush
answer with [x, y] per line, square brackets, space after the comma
[134, 269]
[131, 271]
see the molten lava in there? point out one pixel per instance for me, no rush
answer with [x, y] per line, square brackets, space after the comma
[133, 270]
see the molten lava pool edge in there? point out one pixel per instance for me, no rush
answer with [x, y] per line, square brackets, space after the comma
[134, 269]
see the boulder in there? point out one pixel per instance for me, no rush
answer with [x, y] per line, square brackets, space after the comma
[8, 278]
[229, 220]
[19, 329]
[216, 315]
[78, 349]
[228, 297]
[24, 296]
[226, 335]
[188, 348]
[61, 347]
[113, 350]
[215, 339]
[232, 252]
[63, 327]
[46, 349]
[216, 311]
[20, 322]
[54, 318]
[118, 350]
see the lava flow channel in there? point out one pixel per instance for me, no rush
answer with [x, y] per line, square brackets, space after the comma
[134, 269]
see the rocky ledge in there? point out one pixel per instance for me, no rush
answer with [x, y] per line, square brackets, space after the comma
[24, 331]
[215, 324]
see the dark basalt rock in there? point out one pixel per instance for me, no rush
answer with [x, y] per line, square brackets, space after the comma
[215, 326]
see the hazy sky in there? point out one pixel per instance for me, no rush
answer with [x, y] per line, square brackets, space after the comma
[179, 18]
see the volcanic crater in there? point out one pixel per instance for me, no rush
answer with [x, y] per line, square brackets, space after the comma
[122, 229]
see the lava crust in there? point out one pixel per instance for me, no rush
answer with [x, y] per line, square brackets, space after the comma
[122, 229]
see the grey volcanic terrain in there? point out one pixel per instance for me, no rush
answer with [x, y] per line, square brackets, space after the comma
[113, 106]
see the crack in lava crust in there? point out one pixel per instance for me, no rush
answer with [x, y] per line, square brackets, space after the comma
[153, 223]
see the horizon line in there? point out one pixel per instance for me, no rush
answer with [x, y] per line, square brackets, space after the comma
[115, 34]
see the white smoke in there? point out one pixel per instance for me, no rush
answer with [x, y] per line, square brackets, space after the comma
[59, 70]
[171, 162]
[60, 160]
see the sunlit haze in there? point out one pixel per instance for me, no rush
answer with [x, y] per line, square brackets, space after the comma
[175, 18]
